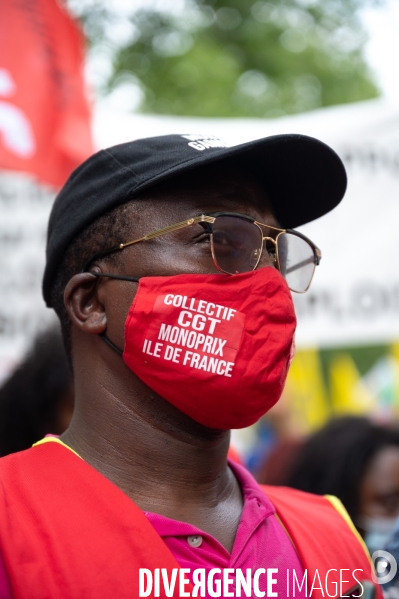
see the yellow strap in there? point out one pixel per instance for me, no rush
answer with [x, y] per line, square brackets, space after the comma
[338, 505]
[55, 440]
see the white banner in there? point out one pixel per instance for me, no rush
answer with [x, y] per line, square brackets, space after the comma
[24, 209]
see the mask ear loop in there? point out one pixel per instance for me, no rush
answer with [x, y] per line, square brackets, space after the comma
[112, 345]
[119, 278]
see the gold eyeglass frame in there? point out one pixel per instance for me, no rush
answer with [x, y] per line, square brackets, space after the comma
[211, 219]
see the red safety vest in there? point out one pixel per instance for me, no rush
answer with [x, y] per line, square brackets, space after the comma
[67, 532]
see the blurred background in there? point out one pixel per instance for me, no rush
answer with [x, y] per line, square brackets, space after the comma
[79, 75]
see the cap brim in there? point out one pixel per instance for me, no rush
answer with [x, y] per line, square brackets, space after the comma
[303, 177]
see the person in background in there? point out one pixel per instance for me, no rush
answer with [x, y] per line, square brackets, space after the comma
[357, 461]
[279, 461]
[391, 587]
[37, 398]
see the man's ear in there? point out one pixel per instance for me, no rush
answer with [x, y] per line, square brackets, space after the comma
[83, 305]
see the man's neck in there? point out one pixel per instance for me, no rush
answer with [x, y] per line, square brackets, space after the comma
[165, 462]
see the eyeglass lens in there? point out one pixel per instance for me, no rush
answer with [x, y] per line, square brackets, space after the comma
[237, 245]
[297, 261]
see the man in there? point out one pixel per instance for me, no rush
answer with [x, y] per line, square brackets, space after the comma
[169, 264]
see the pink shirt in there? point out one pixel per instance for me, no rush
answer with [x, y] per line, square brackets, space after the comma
[260, 543]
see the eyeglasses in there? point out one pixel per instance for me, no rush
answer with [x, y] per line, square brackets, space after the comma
[237, 243]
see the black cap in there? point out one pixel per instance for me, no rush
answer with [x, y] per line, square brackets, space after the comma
[302, 176]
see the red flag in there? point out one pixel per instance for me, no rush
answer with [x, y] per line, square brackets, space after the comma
[44, 112]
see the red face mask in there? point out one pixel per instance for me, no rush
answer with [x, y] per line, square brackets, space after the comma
[218, 347]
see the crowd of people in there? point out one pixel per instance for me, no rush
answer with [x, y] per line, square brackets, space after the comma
[37, 398]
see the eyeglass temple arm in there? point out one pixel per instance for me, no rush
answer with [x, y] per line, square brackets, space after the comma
[170, 229]
[152, 235]
[97, 256]
[300, 264]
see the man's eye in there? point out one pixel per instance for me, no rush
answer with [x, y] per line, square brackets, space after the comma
[203, 237]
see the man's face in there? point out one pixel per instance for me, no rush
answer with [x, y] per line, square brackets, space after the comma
[184, 251]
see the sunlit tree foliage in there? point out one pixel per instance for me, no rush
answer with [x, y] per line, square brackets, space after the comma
[232, 57]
